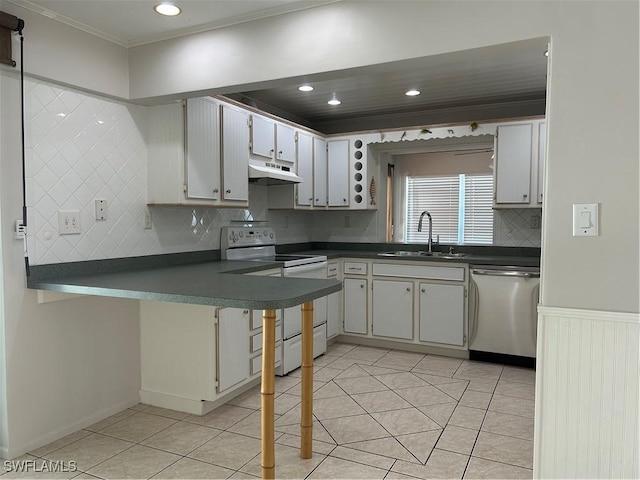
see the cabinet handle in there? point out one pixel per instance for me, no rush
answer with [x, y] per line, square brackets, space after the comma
[228, 191]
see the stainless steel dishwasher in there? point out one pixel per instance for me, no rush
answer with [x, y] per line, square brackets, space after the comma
[503, 304]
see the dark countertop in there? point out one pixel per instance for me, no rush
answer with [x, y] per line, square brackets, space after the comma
[216, 283]
[202, 278]
[471, 259]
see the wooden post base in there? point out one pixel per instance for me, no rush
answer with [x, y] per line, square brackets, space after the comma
[306, 418]
[267, 394]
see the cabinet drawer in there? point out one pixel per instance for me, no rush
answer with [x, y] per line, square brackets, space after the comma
[256, 340]
[256, 319]
[355, 268]
[332, 270]
[256, 362]
[419, 271]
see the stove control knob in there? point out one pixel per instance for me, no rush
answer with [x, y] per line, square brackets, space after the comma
[271, 235]
[265, 233]
[241, 234]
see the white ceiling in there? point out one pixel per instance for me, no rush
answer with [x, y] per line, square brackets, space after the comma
[134, 22]
[486, 83]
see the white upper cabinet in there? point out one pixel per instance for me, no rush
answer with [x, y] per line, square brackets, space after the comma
[262, 136]
[519, 164]
[319, 172]
[542, 148]
[285, 143]
[338, 173]
[305, 170]
[513, 156]
[235, 153]
[198, 154]
[272, 140]
[202, 149]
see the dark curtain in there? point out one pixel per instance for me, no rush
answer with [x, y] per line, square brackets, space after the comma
[8, 24]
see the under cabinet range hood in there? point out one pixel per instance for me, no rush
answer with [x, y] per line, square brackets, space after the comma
[271, 174]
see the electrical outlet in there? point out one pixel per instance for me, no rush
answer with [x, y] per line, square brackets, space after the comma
[21, 230]
[534, 221]
[101, 209]
[147, 219]
[69, 222]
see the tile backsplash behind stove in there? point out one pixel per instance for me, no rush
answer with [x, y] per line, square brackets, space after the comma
[81, 147]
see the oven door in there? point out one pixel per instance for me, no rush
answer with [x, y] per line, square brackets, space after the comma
[292, 317]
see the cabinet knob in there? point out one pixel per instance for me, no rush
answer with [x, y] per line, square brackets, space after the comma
[228, 191]
[280, 153]
[423, 290]
[317, 199]
[524, 195]
[215, 190]
[245, 312]
[344, 200]
[361, 286]
[408, 289]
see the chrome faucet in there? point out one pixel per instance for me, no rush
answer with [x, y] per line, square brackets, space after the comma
[430, 227]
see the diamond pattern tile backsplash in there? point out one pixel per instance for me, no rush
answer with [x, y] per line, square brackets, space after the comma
[512, 228]
[82, 147]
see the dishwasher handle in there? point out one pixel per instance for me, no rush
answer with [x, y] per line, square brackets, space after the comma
[505, 273]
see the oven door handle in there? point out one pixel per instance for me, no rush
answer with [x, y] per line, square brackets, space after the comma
[291, 271]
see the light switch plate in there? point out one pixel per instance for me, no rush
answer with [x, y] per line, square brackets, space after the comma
[585, 220]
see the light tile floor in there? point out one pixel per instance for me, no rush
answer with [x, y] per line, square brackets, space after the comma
[379, 413]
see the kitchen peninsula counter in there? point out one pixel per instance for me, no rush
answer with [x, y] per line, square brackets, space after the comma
[216, 283]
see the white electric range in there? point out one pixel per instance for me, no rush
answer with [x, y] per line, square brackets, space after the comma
[258, 243]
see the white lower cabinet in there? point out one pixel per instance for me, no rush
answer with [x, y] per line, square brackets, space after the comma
[191, 354]
[233, 347]
[393, 309]
[355, 305]
[442, 313]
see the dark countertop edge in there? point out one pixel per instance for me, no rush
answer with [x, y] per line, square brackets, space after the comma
[475, 250]
[239, 301]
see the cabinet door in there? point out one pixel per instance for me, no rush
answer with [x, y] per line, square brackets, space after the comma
[319, 172]
[542, 149]
[355, 305]
[338, 173]
[286, 143]
[235, 154]
[262, 136]
[333, 315]
[393, 309]
[233, 347]
[513, 163]
[442, 313]
[202, 149]
[305, 170]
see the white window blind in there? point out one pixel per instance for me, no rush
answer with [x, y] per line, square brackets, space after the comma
[438, 195]
[478, 211]
[460, 206]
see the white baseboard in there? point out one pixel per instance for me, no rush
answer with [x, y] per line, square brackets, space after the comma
[11, 453]
[587, 394]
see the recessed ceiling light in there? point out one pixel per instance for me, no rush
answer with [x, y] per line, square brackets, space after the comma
[412, 93]
[334, 101]
[167, 9]
[305, 88]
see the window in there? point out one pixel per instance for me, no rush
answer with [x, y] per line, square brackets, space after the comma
[460, 208]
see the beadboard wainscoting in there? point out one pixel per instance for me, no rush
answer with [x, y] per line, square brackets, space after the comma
[587, 394]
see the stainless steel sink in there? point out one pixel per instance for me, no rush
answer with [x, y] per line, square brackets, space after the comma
[421, 253]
